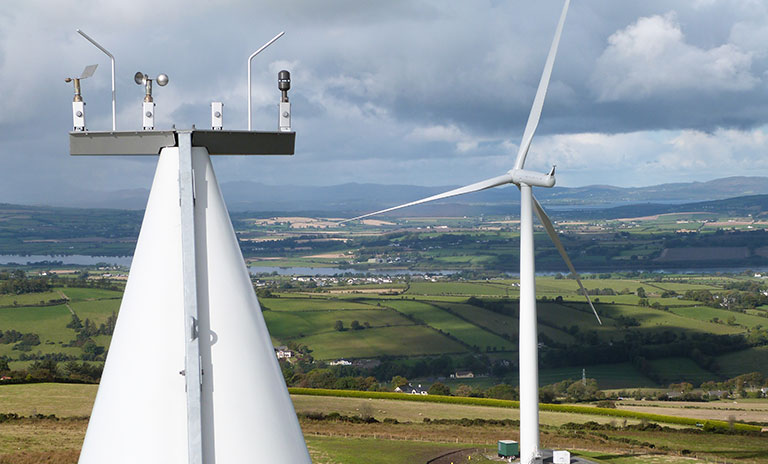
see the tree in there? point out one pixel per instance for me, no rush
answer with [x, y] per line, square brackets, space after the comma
[355, 325]
[75, 323]
[683, 387]
[43, 370]
[546, 395]
[439, 388]
[399, 381]
[641, 292]
[464, 390]
[503, 391]
[339, 326]
[319, 378]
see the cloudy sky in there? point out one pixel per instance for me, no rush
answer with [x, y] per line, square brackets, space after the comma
[400, 92]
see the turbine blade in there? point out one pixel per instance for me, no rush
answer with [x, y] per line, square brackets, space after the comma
[541, 93]
[476, 187]
[559, 245]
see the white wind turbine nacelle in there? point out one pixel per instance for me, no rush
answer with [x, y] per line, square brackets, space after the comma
[534, 179]
[528, 346]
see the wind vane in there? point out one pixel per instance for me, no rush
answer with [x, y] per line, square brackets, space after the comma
[191, 375]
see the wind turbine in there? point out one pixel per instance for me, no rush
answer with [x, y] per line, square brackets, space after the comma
[528, 344]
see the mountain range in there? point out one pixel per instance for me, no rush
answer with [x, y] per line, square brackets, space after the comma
[346, 199]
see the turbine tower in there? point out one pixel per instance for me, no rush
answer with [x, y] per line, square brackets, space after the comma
[524, 180]
[191, 376]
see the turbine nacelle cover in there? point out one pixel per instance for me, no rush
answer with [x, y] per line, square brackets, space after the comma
[534, 179]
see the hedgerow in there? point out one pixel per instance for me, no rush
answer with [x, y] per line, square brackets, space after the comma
[705, 424]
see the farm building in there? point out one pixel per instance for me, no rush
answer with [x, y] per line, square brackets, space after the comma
[411, 390]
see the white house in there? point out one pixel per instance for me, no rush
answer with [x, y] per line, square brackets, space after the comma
[283, 352]
[411, 390]
[340, 362]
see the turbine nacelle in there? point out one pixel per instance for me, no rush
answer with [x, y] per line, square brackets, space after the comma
[534, 179]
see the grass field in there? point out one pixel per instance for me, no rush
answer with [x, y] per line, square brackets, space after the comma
[608, 376]
[410, 441]
[655, 319]
[742, 410]
[375, 450]
[448, 323]
[285, 325]
[28, 299]
[499, 323]
[706, 313]
[63, 400]
[460, 288]
[310, 304]
[433, 318]
[83, 294]
[672, 370]
[48, 321]
[406, 411]
[560, 316]
[96, 310]
[751, 360]
[392, 341]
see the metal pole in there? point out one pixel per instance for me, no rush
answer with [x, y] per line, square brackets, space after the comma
[528, 348]
[193, 370]
[249, 72]
[112, 59]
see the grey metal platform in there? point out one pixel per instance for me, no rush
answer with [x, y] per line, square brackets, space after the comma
[149, 143]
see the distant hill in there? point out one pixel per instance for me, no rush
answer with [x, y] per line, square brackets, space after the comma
[754, 205]
[356, 198]
[347, 199]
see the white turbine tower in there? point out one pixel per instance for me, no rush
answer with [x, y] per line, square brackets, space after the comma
[191, 375]
[528, 344]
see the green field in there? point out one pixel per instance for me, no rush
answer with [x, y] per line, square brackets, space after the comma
[656, 319]
[285, 325]
[385, 341]
[706, 313]
[460, 288]
[435, 318]
[309, 304]
[560, 316]
[608, 376]
[501, 324]
[50, 322]
[83, 294]
[673, 370]
[740, 362]
[446, 322]
[96, 310]
[373, 450]
[25, 299]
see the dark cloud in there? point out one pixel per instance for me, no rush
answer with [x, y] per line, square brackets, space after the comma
[409, 91]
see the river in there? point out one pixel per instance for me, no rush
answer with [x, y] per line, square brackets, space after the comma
[83, 260]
